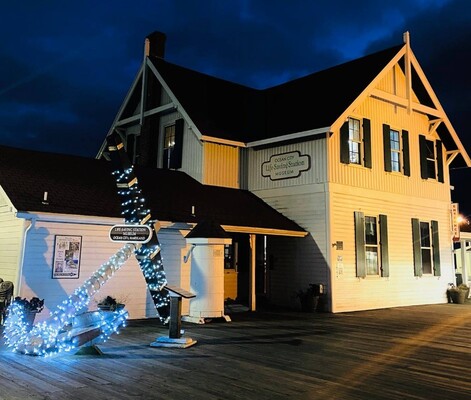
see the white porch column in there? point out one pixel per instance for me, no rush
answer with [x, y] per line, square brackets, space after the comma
[252, 296]
[464, 260]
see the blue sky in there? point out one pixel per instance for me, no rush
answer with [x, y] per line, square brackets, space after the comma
[66, 66]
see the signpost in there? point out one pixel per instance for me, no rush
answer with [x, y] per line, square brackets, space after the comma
[130, 233]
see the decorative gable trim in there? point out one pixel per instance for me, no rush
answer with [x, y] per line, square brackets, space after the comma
[436, 111]
[293, 136]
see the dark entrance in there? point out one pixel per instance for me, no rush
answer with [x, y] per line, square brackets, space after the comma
[240, 258]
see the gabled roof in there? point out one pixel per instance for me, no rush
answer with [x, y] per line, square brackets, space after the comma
[85, 186]
[316, 102]
[231, 111]
[217, 107]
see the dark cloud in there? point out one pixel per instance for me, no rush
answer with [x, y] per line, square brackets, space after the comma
[66, 66]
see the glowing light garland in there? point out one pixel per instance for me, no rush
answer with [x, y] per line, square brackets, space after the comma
[57, 333]
[134, 211]
[60, 332]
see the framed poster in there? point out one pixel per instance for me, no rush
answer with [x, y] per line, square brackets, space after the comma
[66, 261]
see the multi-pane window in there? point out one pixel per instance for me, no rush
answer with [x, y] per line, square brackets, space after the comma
[426, 246]
[371, 246]
[354, 141]
[169, 144]
[431, 159]
[396, 150]
[395, 142]
[171, 149]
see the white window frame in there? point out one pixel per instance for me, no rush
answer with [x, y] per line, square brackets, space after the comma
[396, 151]
[355, 141]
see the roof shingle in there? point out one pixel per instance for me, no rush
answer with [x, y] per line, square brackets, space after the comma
[85, 186]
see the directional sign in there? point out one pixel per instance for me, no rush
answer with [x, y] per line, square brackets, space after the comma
[130, 233]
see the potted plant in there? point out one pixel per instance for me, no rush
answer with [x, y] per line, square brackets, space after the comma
[308, 298]
[457, 294]
[109, 303]
[29, 307]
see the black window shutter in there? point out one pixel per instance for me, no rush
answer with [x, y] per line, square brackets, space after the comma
[344, 150]
[367, 142]
[387, 148]
[360, 243]
[423, 157]
[176, 156]
[435, 249]
[438, 147]
[405, 152]
[416, 247]
[383, 232]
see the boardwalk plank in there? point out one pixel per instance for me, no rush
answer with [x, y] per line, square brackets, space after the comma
[418, 352]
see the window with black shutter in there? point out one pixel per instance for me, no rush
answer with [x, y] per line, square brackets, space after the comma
[396, 150]
[355, 142]
[431, 159]
[426, 247]
[371, 245]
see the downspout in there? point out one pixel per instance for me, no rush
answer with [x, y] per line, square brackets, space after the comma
[332, 275]
[29, 224]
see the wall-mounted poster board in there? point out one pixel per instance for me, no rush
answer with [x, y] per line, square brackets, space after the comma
[66, 262]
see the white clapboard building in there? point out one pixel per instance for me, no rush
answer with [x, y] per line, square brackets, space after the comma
[338, 179]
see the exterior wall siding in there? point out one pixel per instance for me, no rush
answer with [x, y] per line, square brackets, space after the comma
[221, 165]
[323, 200]
[401, 287]
[127, 285]
[192, 157]
[297, 262]
[381, 112]
[11, 242]
[317, 173]
[374, 191]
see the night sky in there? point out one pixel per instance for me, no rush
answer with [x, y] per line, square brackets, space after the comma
[66, 66]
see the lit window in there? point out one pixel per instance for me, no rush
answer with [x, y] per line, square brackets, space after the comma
[425, 238]
[371, 246]
[426, 247]
[395, 151]
[354, 141]
[169, 144]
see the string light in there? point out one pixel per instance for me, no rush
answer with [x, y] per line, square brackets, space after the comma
[56, 333]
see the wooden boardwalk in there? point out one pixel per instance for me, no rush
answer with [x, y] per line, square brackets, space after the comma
[418, 352]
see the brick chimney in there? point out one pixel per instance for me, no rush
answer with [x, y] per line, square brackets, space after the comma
[155, 44]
